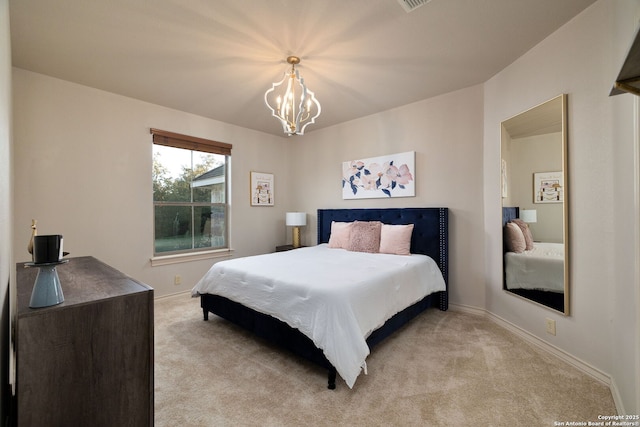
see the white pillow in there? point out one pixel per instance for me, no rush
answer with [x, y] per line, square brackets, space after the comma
[396, 239]
[340, 234]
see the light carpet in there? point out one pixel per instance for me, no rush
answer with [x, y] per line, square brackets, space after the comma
[442, 369]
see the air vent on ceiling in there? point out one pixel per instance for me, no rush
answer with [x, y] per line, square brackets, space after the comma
[411, 5]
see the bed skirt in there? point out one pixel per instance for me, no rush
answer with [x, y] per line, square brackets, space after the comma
[281, 334]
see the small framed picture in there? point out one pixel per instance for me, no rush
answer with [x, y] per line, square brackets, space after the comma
[548, 187]
[261, 191]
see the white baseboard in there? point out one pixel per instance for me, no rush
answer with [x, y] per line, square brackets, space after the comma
[468, 309]
[577, 363]
[617, 399]
[173, 295]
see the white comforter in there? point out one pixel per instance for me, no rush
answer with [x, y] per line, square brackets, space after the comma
[333, 296]
[540, 268]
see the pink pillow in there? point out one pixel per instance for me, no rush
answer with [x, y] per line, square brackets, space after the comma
[513, 238]
[365, 236]
[340, 232]
[526, 231]
[396, 239]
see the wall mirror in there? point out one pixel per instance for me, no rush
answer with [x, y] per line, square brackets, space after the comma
[534, 205]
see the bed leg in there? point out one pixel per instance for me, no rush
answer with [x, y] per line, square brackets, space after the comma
[332, 379]
[444, 301]
[205, 312]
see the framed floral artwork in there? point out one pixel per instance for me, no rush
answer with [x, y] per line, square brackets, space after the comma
[548, 187]
[379, 177]
[261, 191]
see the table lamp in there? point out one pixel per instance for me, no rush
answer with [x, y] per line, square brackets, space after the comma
[529, 215]
[296, 220]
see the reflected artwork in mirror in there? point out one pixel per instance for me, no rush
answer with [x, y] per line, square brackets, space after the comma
[534, 204]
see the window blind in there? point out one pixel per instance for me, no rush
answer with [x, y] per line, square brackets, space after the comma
[172, 139]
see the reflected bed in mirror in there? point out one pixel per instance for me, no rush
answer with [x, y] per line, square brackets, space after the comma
[534, 198]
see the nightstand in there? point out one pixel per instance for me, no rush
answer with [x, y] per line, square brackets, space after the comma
[286, 248]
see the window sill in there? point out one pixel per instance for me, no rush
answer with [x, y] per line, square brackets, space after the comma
[192, 256]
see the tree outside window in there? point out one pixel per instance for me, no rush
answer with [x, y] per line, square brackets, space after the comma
[190, 200]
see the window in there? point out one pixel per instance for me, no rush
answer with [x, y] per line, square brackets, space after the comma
[190, 193]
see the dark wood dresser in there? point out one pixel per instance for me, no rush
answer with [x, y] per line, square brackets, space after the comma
[89, 360]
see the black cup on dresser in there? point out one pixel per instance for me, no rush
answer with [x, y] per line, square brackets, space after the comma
[47, 249]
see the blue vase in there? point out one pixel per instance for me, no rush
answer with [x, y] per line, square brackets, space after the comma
[47, 290]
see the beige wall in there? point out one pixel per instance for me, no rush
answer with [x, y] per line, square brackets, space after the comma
[6, 261]
[581, 59]
[446, 134]
[78, 148]
[83, 170]
[540, 153]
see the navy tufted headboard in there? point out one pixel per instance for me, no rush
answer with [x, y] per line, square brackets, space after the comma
[509, 213]
[430, 232]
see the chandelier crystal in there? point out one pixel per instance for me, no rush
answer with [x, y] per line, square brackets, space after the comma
[292, 103]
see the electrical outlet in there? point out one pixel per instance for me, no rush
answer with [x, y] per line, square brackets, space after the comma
[551, 326]
[177, 280]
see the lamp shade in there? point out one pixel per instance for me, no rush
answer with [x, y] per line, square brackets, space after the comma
[529, 215]
[296, 219]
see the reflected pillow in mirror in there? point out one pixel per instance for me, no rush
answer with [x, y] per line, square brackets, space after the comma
[396, 239]
[514, 238]
[365, 236]
[340, 233]
[526, 231]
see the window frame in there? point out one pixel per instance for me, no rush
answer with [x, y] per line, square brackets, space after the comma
[191, 143]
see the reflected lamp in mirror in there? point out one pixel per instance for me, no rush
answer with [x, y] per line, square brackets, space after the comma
[529, 215]
[296, 220]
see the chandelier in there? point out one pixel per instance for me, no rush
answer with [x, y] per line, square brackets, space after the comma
[292, 103]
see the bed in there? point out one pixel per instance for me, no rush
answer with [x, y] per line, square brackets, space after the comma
[537, 272]
[345, 342]
[541, 267]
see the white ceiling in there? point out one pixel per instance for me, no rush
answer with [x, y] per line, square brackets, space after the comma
[539, 120]
[216, 58]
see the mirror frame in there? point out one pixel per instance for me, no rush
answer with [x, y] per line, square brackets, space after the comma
[566, 196]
